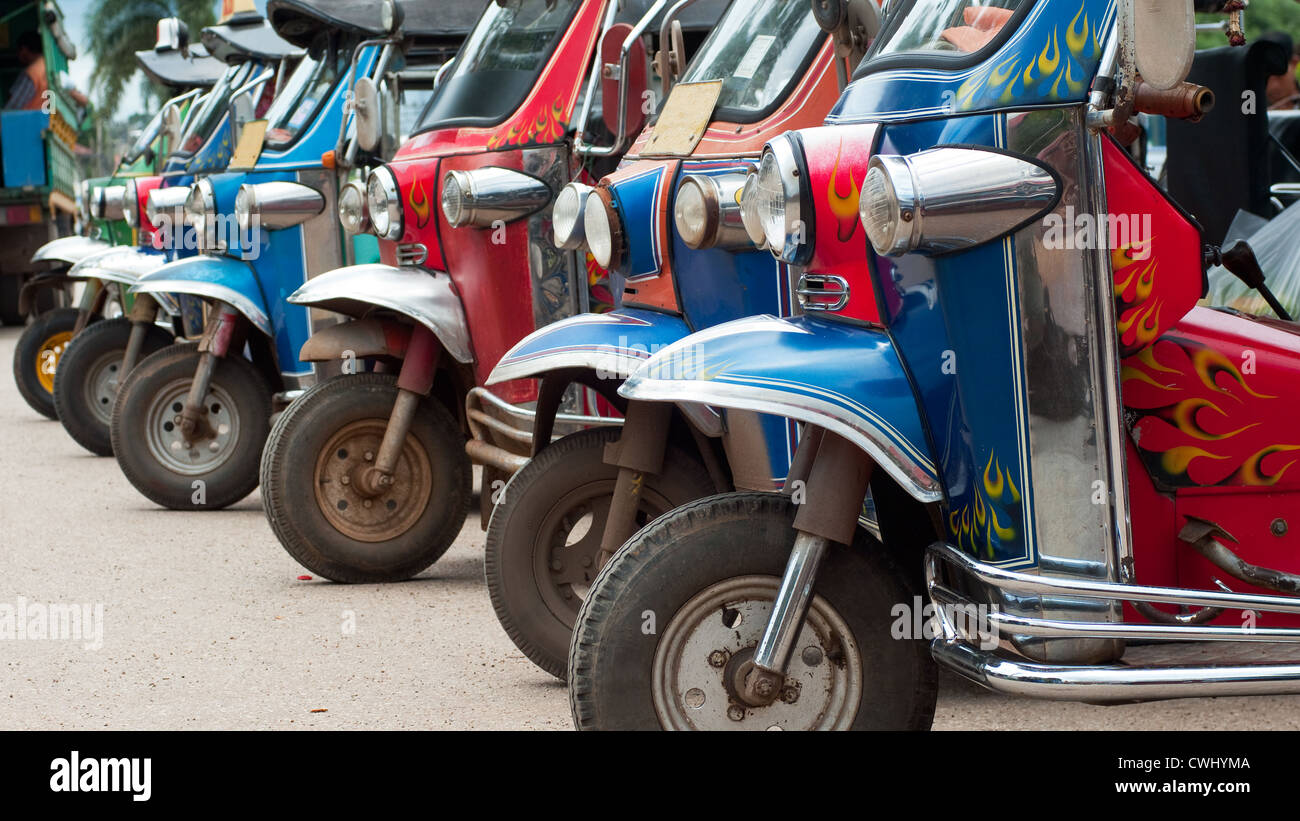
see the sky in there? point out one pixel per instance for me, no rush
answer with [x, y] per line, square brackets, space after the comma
[82, 69]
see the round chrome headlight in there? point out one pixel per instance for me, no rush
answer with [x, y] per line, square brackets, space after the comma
[84, 192]
[691, 212]
[131, 204]
[245, 207]
[165, 207]
[453, 198]
[114, 197]
[749, 212]
[384, 203]
[707, 211]
[601, 225]
[352, 208]
[879, 208]
[201, 213]
[567, 216]
[778, 192]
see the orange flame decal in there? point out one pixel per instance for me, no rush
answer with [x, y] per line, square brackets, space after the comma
[844, 207]
[419, 201]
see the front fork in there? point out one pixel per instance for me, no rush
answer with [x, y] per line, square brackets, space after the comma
[225, 330]
[142, 315]
[414, 381]
[93, 298]
[835, 475]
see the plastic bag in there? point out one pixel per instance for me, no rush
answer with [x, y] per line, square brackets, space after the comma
[1277, 246]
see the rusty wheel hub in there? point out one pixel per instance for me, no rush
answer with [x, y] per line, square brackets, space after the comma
[356, 498]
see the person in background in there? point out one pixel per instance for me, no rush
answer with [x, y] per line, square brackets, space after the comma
[1283, 89]
[28, 91]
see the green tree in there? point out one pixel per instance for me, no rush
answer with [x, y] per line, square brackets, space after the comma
[120, 28]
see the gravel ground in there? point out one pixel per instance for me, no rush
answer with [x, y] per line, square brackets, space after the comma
[207, 626]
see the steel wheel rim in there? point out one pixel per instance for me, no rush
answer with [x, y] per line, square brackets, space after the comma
[564, 569]
[687, 682]
[100, 387]
[167, 445]
[390, 514]
[47, 358]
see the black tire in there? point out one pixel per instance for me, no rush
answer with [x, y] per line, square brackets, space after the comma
[239, 391]
[96, 350]
[34, 358]
[424, 522]
[568, 483]
[732, 538]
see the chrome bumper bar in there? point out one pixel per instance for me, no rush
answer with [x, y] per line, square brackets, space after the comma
[962, 650]
[501, 434]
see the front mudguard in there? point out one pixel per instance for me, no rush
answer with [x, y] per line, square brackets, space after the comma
[427, 297]
[844, 378]
[69, 249]
[125, 264]
[220, 278]
[613, 345]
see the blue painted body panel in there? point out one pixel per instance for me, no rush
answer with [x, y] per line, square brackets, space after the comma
[22, 148]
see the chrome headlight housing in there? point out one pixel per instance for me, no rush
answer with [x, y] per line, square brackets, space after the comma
[276, 205]
[567, 216]
[776, 203]
[707, 211]
[201, 213]
[385, 203]
[83, 191]
[165, 207]
[484, 196]
[131, 204]
[353, 215]
[951, 198]
[604, 230]
[112, 202]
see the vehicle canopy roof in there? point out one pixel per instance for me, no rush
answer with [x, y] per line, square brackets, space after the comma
[187, 67]
[247, 36]
[298, 21]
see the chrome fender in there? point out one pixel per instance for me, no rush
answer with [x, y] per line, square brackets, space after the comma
[69, 249]
[844, 378]
[614, 344]
[124, 264]
[212, 277]
[425, 296]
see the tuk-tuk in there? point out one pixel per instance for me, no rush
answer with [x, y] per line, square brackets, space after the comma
[686, 263]
[1091, 476]
[367, 477]
[189, 421]
[185, 72]
[98, 359]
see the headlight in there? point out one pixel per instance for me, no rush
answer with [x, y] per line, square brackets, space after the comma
[201, 213]
[949, 199]
[484, 196]
[776, 203]
[352, 208]
[707, 211]
[111, 207]
[604, 232]
[165, 207]
[384, 203]
[276, 205]
[749, 212]
[131, 204]
[84, 190]
[566, 216]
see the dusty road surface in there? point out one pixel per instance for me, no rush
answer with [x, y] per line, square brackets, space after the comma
[206, 624]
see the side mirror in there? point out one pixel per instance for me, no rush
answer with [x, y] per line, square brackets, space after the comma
[368, 108]
[612, 84]
[171, 126]
[852, 23]
[391, 16]
[1164, 39]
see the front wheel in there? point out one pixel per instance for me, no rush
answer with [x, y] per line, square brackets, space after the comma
[322, 508]
[665, 635]
[89, 374]
[207, 470]
[543, 541]
[37, 355]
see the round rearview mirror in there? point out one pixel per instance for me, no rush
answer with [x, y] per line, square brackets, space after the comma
[390, 16]
[365, 100]
[1164, 40]
[172, 126]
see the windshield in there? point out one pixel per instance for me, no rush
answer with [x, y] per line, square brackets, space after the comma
[205, 115]
[945, 26]
[498, 64]
[304, 92]
[758, 50]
